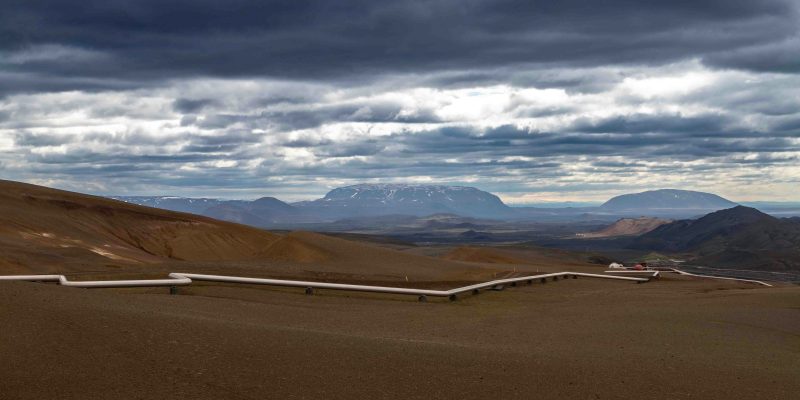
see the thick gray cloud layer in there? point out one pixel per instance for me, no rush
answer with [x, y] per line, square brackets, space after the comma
[534, 100]
[51, 44]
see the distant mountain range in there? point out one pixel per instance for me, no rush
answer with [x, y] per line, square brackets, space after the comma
[376, 200]
[740, 236]
[356, 201]
[266, 211]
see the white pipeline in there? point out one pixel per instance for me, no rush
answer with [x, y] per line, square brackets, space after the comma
[679, 272]
[652, 274]
[182, 279]
[655, 274]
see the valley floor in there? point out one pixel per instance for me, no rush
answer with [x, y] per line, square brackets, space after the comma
[585, 339]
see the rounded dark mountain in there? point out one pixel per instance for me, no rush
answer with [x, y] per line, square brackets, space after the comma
[272, 204]
[739, 237]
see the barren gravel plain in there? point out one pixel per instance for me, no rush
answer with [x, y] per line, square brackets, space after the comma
[580, 339]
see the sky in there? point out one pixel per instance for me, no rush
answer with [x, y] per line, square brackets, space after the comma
[535, 101]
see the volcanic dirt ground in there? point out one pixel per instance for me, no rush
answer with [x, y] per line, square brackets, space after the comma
[584, 338]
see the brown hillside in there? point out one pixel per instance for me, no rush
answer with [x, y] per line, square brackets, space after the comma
[520, 256]
[299, 247]
[44, 229]
[482, 255]
[323, 253]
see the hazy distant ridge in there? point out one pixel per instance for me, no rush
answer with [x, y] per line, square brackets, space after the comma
[667, 199]
[374, 200]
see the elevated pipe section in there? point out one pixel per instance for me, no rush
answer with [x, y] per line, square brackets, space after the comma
[386, 289]
[679, 272]
[654, 273]
[183, 279]
[63, 281]
[651, 274]
[307, 284]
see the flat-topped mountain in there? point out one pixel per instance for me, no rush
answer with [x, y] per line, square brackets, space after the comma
[418, 200]
[666, 201]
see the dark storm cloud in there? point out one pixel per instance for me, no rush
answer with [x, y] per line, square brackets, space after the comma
[312, 116]
[145, 40]
[89, 157]
[133, 150]
[774, 56]
[367, 148]
[640, 143]
[574, 79]
[374, 112]
[219, 121]
[696, 125]
[189, 106]
[790, 126]
[712, 127]
[29, 139]
[230, 143]
[53, 81]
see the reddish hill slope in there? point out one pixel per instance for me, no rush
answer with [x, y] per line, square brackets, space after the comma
[44, 229]
[539, 257]
[628, 227]
[334, 256]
